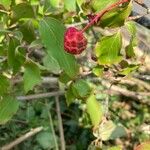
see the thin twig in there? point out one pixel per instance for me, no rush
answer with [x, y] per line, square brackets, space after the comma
[52, 127]
[38, 96]
[61, 130]
[138, 16]
[103, 12]
[140, 96]
[22, 138]
[136, 95]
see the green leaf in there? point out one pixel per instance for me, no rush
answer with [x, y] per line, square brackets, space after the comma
[22, 10]
[18, 35]
[64, 78]
[81, 88]
[69, 96]
[8, 107]
[143, 146]
[31, 76]
[100, 5]
[51, 64]
[4, 85]
[108, 49]
[130, 25]
[80, 2]
[27, 30]
[115, 148]
[129, 69]
[15, 54]
[52, 35]
[115, 17]
[46, 140]
[36, 44]
[94, 109]
[131, 28]
[108, 130]
[118, 132]
[5, 3]
[55, 3]
[98, 70]
[129, 49]
[70, 5]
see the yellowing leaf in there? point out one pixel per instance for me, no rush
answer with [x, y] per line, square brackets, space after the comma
[108, 130]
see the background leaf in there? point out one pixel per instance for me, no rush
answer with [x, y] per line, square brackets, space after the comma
[143, 146]
[4, 84]
[8, 107]
[31, 76]
[15, 55]
[94, 109]
[108, 130]
[81, 88]
[5, 3]
[45, 139]
[70, 5]
[22, 10]
[27, 30]
[70, 97]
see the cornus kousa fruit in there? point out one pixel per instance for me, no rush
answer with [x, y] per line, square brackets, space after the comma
[74, 41]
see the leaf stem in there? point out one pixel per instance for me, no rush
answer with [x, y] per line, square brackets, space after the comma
[100, 14]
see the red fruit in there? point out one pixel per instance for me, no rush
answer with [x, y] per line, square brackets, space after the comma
[74, 41]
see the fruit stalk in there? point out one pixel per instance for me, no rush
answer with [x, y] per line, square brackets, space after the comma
[100, 14]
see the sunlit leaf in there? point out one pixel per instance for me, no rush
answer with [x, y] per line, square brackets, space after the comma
[94, 109]
[70, 5]
[98, 71]
[5, 3]
[108, 49]
[129, 49]
[129, 69]
[55, 3]
[100, 5]
[108, 130]
[115, 148]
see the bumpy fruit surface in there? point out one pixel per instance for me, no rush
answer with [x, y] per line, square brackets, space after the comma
[74, 41]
